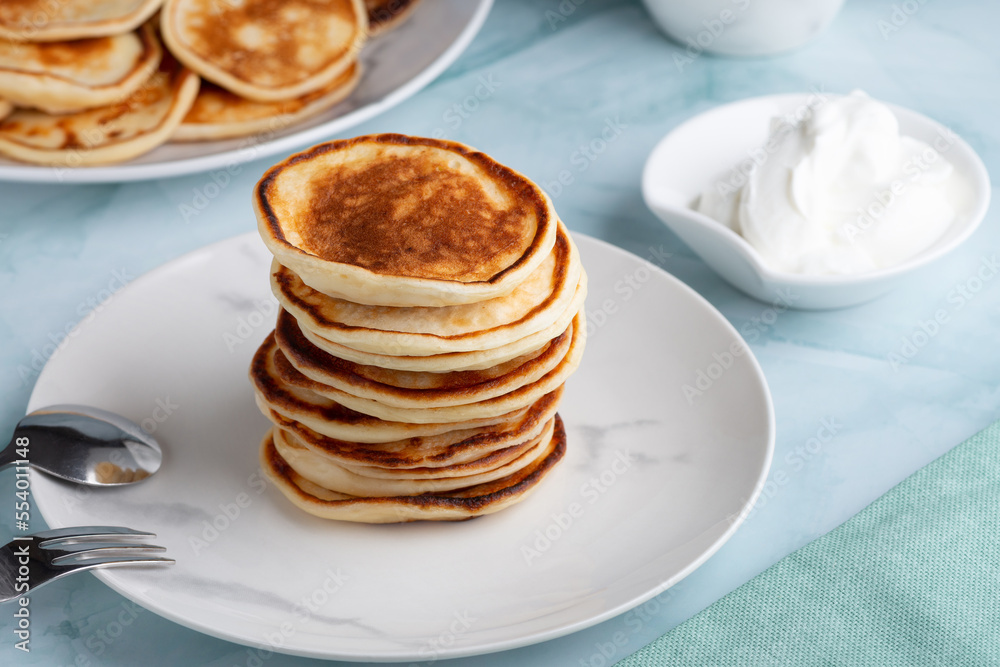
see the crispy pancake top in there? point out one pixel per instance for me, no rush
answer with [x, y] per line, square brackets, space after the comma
[95, 62]
[217, 106]
[405, 206]
[29, 19]
[142, 112]
[270, 43]
[16, 11]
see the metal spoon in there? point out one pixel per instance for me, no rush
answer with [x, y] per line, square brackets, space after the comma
[83, 445]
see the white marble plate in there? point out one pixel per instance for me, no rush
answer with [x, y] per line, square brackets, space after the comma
[652, 484]
[396, 66]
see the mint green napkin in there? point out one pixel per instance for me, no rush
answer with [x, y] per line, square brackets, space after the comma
[913, 579]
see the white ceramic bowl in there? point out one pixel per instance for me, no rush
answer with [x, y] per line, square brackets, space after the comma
[742, 27]
[705, 149]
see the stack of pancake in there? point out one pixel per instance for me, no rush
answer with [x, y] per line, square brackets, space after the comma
[431, 311]
[269, 63]
[88, 82]
[93, 86]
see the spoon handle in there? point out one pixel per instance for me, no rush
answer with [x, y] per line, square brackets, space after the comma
[9, 455]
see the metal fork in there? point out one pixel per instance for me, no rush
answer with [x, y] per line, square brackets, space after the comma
[31, 561]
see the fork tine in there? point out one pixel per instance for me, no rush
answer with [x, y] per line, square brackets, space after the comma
[86, 532]
[86, 548]
[89, 563]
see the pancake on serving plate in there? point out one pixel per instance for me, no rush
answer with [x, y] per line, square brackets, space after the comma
[453, 361]
[121, 131]
[384, 15]
[430, 414]
[431, 312]
[62, 77]
[416, 389]
[462, 449]
[266, 50]
[328, 417]
[540, 300]
[443, 506]
[328, 474]
[392, 220]
[409, 390]
[267, 65]
[57, 20]
[220, 114]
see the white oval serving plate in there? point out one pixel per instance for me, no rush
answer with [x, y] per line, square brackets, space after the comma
[396, 66]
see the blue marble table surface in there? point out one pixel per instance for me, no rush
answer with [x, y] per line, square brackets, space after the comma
[556, 80]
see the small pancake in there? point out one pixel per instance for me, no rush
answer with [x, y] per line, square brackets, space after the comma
[328, 474]
[518, 399]
[61, 77]
[535, 304]
[108, 134]
[295, 345]
[58, 20]
[458, 450]
[219, 114]
[443, 380]
[6, 108]
[328, 417]
[266, 50]
[392, 220]
[406, 389]
[488, 462]
[456, 361]
[446, 506]
[384, 15]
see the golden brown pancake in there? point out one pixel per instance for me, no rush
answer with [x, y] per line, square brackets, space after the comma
[406, 389]
[220, 114]
[454, 361]
[62, 77]
[108, 134]
[384, 15]
[446, 506]
[57, 20]
[330, 475]
[330, 418]
[489, 408]
[535, 304]
[446, 379]
[266, 50]
[6, 108]
[460, 449]
[394, 220]
[291, 336]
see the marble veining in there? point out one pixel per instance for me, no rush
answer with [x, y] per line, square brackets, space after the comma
[245, 594]
[595, 438]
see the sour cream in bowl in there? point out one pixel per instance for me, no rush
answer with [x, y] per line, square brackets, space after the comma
[832, 199]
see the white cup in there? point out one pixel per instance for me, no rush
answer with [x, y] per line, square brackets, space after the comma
[743, 27]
